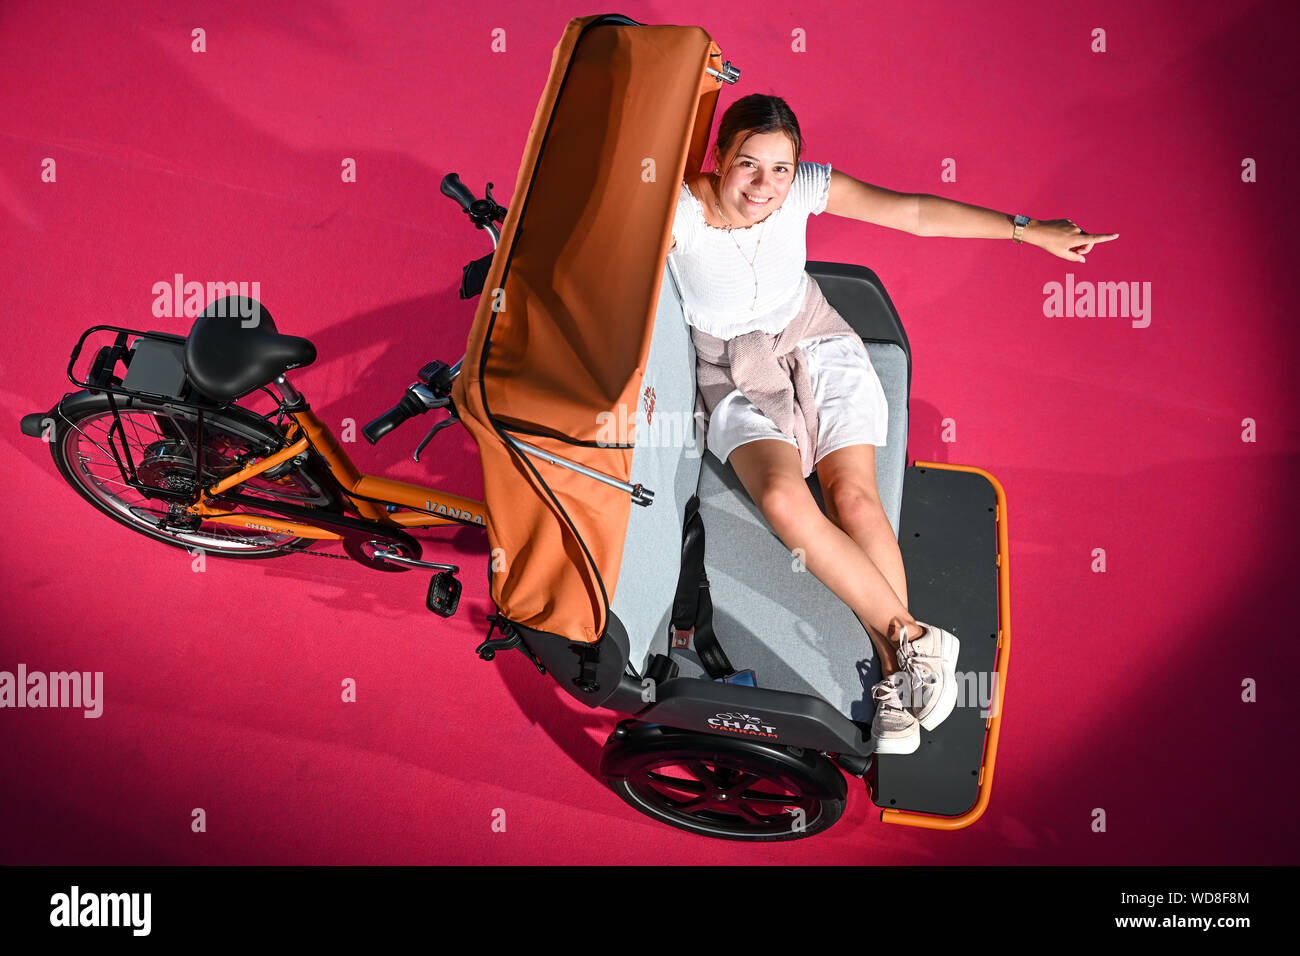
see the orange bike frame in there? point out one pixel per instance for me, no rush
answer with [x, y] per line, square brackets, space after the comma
[309, 431]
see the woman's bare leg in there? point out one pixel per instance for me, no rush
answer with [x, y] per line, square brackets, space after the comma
[770, 471]
[848, 481]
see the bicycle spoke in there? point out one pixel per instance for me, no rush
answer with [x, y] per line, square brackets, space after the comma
[102, 478]
[689, 805]
[740, 780]
[92, 441]
[743, 809]
[675, 783]
[773, 799]
[130, 420]
[702, 772]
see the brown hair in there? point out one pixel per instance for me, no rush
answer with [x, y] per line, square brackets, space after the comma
[753, 114]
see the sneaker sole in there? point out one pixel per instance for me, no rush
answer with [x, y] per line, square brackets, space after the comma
[898, 745]
[948, 696]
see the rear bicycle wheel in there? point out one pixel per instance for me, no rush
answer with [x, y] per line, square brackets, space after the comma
[160, 440]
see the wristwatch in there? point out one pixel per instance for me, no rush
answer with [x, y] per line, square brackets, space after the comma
[1021, 222]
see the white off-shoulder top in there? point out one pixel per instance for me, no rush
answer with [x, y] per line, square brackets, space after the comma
[715, 277]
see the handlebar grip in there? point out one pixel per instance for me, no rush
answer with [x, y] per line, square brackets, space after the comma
[408, 407]
[457, 190]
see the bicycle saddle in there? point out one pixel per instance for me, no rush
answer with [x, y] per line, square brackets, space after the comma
[233, 349]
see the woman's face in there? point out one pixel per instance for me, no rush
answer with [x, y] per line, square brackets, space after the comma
[762, 169]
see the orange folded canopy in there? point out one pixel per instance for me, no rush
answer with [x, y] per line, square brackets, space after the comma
[564, 323]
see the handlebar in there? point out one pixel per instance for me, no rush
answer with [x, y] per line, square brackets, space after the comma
[434, 388]
[457, 190]
[482, 212]
[408, 407]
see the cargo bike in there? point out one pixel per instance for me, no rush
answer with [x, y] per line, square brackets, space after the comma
[743, 685]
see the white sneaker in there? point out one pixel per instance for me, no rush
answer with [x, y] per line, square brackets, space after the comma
[930, 662]
[893, 729]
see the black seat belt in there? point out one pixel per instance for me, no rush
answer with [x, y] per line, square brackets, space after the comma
[692, 606]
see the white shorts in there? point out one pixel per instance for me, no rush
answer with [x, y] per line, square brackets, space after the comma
[851, 406]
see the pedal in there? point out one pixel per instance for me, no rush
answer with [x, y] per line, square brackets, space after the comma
[444, 594]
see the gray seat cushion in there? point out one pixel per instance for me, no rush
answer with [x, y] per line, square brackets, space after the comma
[784, 624]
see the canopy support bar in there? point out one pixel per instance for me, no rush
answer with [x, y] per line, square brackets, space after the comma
[728, 74]
[640, 495]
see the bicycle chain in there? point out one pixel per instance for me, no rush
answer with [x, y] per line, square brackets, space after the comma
[310, 554]
[278, 547]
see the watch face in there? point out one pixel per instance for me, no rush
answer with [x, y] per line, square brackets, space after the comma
[1022, 220]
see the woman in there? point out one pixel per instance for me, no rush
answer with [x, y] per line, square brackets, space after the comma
[786, 385]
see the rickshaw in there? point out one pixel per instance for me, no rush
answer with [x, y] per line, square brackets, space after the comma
[742, 684]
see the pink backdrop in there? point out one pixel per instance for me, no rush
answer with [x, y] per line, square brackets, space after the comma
[222, 687]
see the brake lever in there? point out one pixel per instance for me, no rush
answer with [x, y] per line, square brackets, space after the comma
[498, 210]
[433, 431]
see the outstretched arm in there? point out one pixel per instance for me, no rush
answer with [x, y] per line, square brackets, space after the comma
[855, 199]
[922, 214]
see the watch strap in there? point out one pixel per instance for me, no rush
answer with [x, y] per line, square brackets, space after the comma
[1020, 222]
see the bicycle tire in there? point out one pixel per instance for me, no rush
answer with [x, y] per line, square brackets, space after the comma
[80, 408]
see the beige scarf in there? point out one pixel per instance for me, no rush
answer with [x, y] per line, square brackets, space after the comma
[771, 370]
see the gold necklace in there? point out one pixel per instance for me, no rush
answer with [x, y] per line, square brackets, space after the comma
[750, 262]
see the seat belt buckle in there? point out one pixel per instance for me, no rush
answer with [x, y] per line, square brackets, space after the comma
[682, 638]
[746, 678]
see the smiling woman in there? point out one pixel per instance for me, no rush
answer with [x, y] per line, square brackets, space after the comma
[744, 278]
[777, 367]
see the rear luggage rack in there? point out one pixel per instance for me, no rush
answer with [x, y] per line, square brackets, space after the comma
[155, 372]
[159, 376]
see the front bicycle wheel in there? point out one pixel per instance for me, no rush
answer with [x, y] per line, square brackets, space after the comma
[730, 789]
[160, 440]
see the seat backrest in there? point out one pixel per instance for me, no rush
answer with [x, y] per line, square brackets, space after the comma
[667, 460]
